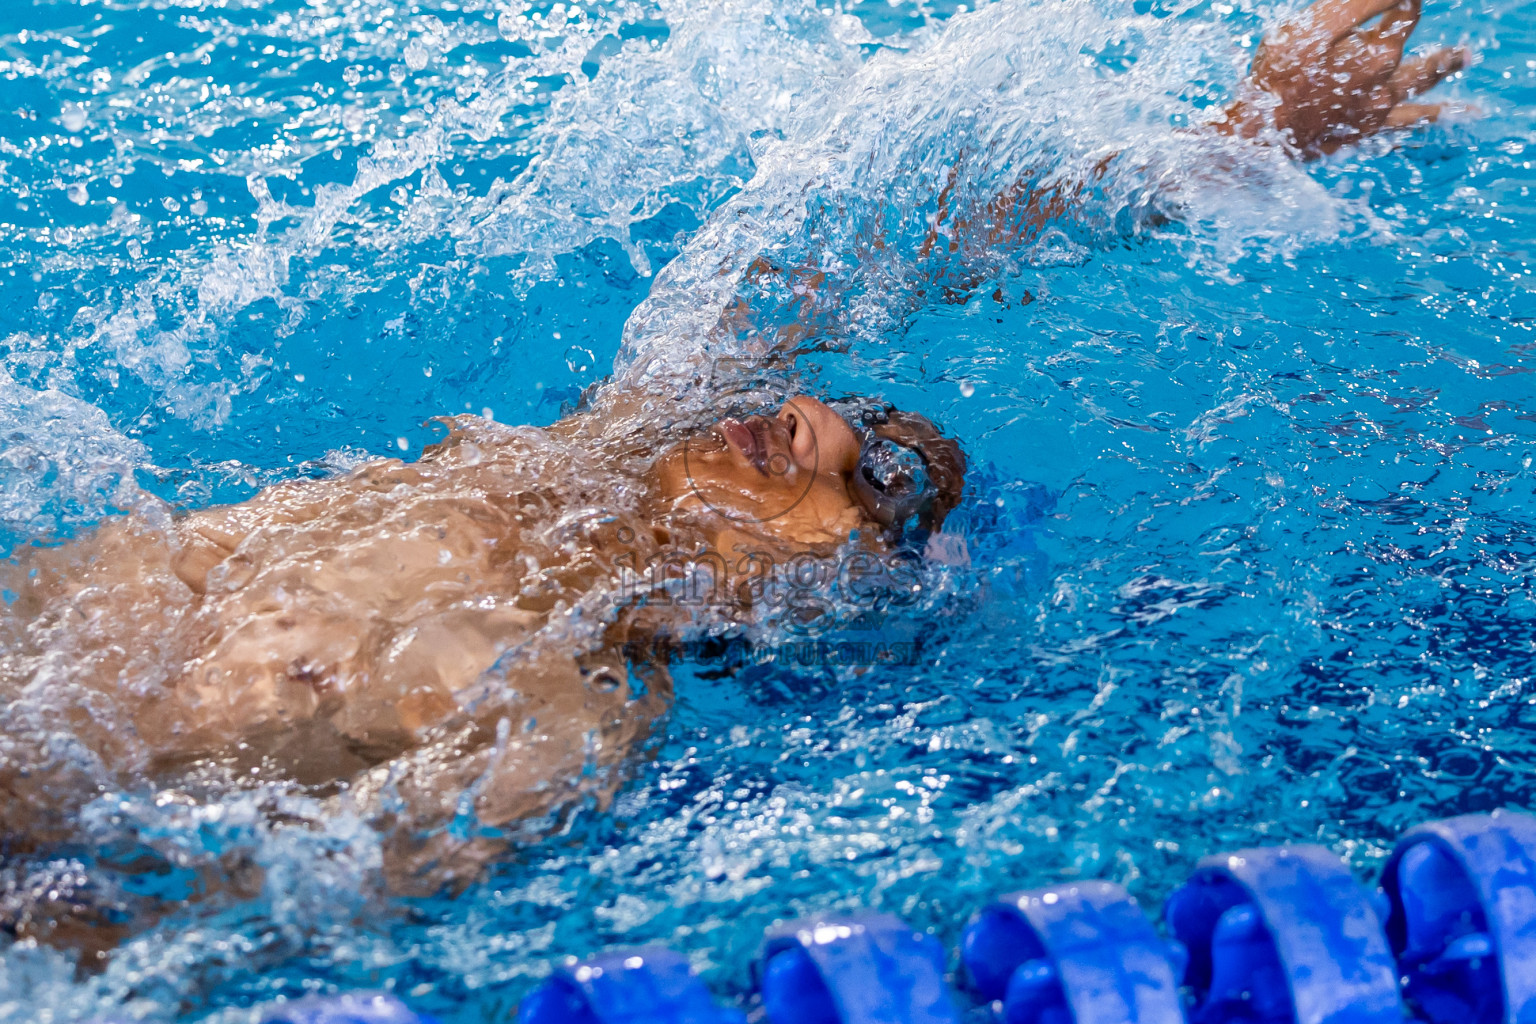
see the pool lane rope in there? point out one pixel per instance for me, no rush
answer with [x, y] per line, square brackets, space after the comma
[1273, 935]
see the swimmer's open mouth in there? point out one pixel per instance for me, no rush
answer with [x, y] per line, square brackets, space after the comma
[752, 438]
[737, 435]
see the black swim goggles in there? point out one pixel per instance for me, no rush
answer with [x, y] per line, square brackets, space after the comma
[891, 480]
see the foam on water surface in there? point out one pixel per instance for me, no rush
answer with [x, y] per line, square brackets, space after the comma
[1248, 528]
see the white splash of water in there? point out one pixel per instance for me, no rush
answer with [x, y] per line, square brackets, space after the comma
[663, 124]
[62, 463]
[1009, 93]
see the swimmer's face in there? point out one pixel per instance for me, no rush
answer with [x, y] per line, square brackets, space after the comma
[784, 475]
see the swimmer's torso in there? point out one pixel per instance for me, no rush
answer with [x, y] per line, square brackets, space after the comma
[327, 626]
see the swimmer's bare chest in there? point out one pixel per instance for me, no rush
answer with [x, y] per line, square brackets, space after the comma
[334, 623]
[406, 631]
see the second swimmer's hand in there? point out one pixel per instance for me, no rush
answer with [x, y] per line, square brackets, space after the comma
[1323, 80]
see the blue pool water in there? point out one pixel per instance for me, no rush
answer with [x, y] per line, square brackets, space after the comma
[1250, 521]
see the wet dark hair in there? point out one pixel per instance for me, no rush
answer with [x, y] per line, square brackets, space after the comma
[910, 476]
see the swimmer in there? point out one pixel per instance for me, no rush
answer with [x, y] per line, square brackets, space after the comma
[437, 643]
[341, 633]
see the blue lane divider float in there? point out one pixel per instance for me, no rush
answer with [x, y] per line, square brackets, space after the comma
[868, 969]
[1264, 936]
[1462, 919]
[1283, 935]
[646, 986]
[1083, 953]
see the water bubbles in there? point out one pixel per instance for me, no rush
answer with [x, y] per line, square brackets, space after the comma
[72, 117]
[1055, 248]
[849, 30]
[607, 160]
[416, 55]
[78, 194]
[171, 204]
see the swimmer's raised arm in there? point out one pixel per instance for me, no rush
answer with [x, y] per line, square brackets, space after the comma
[1319, 81]
[1332, 75]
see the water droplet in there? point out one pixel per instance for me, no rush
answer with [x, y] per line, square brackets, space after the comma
[402, 444]
[967, 389]
[415, 55]
[399, 195]
[352, 76]
[397, 73]
[72, 117]
[171, 204]
[507, 25]
[579, 359]
[77, 193]
[352, 119]
[199, 208]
